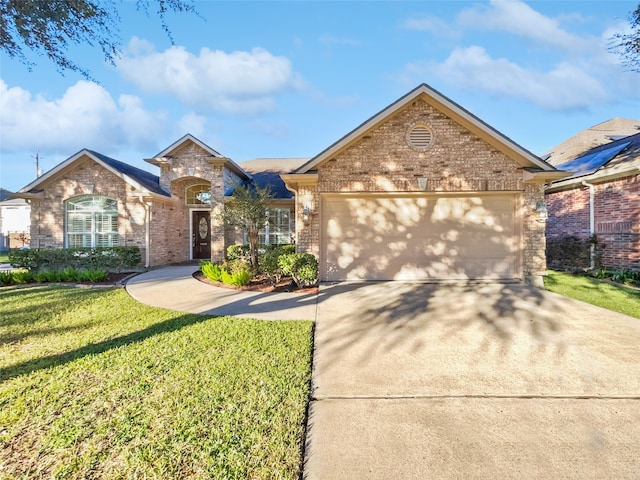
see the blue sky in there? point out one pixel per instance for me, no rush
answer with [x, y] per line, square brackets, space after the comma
[287, 79]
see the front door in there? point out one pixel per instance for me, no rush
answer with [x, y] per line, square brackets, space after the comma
[201, 234]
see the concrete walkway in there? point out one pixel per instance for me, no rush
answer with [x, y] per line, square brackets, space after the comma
[175, 288]
[462, 381]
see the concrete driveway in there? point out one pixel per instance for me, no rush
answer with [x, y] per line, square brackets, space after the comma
[419, 381]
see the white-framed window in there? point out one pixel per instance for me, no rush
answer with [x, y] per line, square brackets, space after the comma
[92, 221]
[199, 194]
[277, 229]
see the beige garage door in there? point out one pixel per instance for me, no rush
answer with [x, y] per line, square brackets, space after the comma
[371, 237]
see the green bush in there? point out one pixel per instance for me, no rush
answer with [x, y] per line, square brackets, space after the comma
[6, 278]
[235, 252]
[93, 275]
[302, 267]
[211, 271]
[22, 276]
[232, 273]
[105, 258]
[268, 261]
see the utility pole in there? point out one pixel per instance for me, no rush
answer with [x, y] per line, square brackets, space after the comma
[37, 157]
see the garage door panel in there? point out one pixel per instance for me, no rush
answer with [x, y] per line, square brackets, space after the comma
[409, 238]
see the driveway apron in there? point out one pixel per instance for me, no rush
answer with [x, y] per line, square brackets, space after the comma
[414, 380]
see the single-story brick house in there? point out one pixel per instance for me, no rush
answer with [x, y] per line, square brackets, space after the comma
[421, 190]
[594, 214]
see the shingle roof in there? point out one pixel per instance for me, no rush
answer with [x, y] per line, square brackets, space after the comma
[589, 138]
[611, 159]
[266, 171]
[146, 179]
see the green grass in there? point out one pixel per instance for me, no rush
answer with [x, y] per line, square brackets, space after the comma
[96, 385]
[617, 298]
[4, 257]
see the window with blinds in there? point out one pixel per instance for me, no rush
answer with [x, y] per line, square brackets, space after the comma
[92, 221]
[277, 229]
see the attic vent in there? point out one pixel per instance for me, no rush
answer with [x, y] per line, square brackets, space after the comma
[420, 137]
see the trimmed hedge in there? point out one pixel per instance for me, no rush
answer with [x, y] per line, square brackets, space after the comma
[115, 259]
[67, 275]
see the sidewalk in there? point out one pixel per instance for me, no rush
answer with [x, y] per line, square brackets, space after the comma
[175, 288]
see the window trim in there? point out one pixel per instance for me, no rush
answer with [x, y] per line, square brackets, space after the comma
[91, 212]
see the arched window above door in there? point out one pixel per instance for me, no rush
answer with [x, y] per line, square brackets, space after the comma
[199, 194]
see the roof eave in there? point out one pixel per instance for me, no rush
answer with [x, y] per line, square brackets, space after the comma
[593, 178]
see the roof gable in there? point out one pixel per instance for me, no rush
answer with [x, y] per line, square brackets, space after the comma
[138, 178]
[449, 108]
[163, 157]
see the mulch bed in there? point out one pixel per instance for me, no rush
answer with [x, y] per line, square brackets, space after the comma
[259, 284]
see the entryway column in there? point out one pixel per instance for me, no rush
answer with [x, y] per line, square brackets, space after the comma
[217, 206]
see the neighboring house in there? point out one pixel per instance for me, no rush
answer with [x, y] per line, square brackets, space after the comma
[594, 214]
[14, 221]
[422, 190]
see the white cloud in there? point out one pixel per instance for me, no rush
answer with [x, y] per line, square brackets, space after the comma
[192, 123]
[520, 19]
[564, 87]
[213, 81]
[434, 25]
[84, 116]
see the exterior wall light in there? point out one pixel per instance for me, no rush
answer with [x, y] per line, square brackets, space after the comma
[306, 215]
[541, 209]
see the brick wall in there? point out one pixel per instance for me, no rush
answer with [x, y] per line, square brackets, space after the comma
[617, 220]
[458, 161]
[48, 213]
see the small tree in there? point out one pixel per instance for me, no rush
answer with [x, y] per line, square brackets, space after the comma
[247, 210]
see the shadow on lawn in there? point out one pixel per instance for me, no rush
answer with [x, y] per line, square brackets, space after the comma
[42, 363]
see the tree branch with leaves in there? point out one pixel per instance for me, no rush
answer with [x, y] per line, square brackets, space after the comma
[247, 210]
[627, 45]
[49, 27]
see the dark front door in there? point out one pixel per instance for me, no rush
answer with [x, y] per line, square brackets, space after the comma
[201, 235]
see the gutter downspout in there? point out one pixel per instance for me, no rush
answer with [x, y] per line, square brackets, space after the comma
[592, 222]
[147, 229]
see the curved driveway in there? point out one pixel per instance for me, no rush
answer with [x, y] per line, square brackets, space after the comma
[414, 380]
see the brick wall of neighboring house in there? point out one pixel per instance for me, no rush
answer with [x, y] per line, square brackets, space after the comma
[458, 161]
[617, 222]
[48, 213]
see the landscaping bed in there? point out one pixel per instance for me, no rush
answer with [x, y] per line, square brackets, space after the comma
[260, 283]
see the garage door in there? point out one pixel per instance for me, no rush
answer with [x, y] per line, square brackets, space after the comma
[372, 237]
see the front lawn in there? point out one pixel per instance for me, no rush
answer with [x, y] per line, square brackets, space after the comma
[596, 292]
[4, 257]
[96, 385]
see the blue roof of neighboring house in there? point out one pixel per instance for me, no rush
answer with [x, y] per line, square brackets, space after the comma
[619, 154]
[148, 180]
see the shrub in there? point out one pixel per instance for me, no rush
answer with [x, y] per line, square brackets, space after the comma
[107, 258]
[6, 278]
[22, 276]
[93, 276]
[303, 268]
[268, 261]
[211, 271]
[235, 252]
[241, 278]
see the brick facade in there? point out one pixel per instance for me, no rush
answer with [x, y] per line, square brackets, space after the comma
[616, 219]
[48, 211]
[458, 161]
